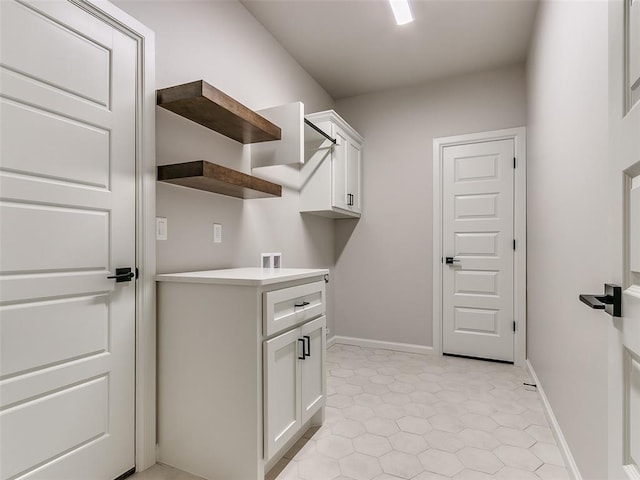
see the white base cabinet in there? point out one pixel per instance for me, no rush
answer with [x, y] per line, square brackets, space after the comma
[330, 179]
[232, 398]
[294, 382]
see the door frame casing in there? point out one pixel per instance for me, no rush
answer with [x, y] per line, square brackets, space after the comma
[145, 327]
[518, 135]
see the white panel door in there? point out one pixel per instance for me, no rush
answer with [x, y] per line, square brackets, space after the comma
[312, 369]
[67, 221]
[477, 235]
[624, 163]
[281, 390]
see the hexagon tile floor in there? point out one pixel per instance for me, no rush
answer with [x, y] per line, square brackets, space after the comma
[396, 416]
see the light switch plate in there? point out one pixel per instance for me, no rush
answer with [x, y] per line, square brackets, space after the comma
[161, 228]
[217, 233]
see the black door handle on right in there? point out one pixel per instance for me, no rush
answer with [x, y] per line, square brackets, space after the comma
[610, 301]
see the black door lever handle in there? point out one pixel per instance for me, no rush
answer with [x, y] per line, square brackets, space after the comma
[610, 301]
[123, 275]
[596, 302]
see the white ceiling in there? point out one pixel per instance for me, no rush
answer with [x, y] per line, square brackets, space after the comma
[353, 47]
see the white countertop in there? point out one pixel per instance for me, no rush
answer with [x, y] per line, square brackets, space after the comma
[243, 276]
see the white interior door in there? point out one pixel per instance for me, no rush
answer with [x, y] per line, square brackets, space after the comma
[624, 161]
[67, 210]
[477, 236]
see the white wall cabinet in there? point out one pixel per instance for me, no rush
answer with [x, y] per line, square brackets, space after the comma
[294, 382]
[232, 394]
[331, 178]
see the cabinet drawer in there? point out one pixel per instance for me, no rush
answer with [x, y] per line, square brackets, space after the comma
[290, 306]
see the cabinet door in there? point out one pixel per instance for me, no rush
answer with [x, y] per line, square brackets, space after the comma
[353, 167]
[313, 383]
[339, 170]
[281, 390]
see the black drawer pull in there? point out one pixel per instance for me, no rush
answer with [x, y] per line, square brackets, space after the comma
[300, 305]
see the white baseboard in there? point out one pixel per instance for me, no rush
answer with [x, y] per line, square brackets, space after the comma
[569, 461]
[396, 346]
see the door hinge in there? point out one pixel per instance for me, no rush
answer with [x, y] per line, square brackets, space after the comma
[514, 244]
[514, 162]
[514, 325]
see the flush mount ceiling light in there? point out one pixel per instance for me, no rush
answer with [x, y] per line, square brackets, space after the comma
[402, 11]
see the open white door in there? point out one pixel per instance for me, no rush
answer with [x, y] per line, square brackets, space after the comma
[67, 210]
[624, 184]
[477, 244]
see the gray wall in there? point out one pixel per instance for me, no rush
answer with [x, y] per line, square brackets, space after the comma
[383, 280]
[222, 43]
[567, 220]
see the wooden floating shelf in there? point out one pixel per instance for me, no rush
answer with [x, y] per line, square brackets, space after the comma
[201, 103]
[217, 179]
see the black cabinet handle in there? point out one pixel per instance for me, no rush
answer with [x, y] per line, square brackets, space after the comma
[300, 305]
[123, 275]
[303, 352]
[307, 352]
[610, 301]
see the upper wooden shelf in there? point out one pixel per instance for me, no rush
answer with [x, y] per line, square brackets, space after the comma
[217, 179]
[201, 103]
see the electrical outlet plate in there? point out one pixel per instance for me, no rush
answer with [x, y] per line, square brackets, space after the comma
[217, 233]
[271, 260]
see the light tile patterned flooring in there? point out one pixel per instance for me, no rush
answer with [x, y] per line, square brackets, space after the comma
[396, 416]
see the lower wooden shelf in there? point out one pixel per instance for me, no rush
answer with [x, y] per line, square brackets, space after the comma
[215, 178]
